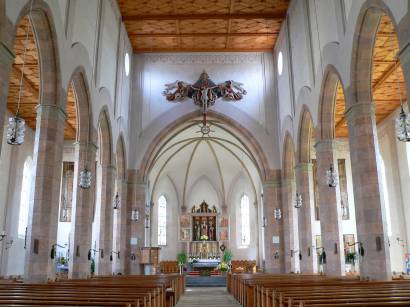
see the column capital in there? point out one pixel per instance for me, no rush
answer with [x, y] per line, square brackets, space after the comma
[40, 108]
[6, 54]
[304, 166]
[324, 144]
[360, 109]
[271, 183]
[83, 145]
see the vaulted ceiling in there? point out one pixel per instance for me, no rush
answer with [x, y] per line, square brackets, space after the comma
[203, 25]
[31, 82]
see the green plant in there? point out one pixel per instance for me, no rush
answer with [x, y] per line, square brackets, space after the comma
[182, 258]
[227, 256]
[62, 261]
[350, 257]
[223, 267]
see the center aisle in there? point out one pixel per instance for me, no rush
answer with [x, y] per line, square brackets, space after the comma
[207, 296]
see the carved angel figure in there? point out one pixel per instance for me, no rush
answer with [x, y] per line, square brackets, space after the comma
[232, 90]
[176, 91]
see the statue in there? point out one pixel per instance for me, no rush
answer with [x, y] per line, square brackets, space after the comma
[211, 231]
[204, 228]
[197, 231]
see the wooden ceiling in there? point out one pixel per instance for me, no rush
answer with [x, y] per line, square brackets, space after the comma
[387, 79]
[31, 80]
[203, 25]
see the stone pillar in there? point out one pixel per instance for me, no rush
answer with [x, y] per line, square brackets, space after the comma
[135, 230]
[82, 212]
[6, 62]
[368, 198]
[104, 265]
[120, 227]
[304, 186]
[330, 211]
[289, 221]
[273, 231]
[45, 194]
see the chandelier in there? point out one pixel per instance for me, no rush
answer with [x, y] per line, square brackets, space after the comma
[332, 179]
[403, 126]
[85, 179]
[17, 125]
[135, 215]
[116, 201]
[298, 201]
[277, 214]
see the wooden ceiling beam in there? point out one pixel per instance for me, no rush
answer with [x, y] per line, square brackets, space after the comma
[386, 74]
[276, 16]
[149, 35]
[27, 84]
[148, 50]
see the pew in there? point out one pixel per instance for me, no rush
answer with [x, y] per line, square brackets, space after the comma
[125, 291]
[296, 290]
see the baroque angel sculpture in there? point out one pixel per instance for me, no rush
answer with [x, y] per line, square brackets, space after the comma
[204, 92]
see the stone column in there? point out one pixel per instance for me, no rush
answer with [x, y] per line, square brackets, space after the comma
[45, 194]
[289, 220]
[120, 226]
[135, 230]
[330, 211]
[104, 265]
[82, 212]
[273, 231]
[6, 62]
[304, 186]
[368, 198]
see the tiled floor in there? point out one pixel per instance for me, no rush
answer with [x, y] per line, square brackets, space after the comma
[207, 297]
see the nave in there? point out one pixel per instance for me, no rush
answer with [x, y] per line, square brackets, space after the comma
[207, 297]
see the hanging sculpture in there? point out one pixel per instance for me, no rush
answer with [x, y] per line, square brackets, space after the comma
[204, 93]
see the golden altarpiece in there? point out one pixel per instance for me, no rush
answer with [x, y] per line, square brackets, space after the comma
[205, 230]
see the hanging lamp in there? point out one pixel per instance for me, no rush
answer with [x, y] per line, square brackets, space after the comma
[403, 120]
[298, 201]
[17, 125]
[332, 178]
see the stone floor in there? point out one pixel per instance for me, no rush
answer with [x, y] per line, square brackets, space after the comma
[207, 297]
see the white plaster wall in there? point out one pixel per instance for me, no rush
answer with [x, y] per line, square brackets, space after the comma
[166, 188]
[394, 156]
[238, 189]
[11, 169]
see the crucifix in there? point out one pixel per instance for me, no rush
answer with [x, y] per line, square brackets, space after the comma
[204, 92]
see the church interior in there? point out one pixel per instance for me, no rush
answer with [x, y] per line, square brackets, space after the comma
[204, 153]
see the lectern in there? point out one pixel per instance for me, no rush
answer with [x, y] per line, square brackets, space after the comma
[150, 259]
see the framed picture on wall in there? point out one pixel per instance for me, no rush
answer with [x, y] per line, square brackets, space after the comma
[224, 222]
[185, 234]
[184, 221]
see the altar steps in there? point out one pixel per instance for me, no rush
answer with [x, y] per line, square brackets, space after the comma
[197, 273]
[205, 281]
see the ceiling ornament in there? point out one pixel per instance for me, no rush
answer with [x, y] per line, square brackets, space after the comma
[204, 92]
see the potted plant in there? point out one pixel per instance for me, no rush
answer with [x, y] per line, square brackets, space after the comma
[223, 267]
[350, 258]
[182, 260]
[227, 256]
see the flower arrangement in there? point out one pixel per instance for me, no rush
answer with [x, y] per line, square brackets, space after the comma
[204, 238]
[223, 267]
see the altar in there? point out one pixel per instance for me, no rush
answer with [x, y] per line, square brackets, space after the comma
[205, 230]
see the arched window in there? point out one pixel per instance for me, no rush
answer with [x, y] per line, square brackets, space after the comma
[25, 198]
[245, 229]
[386, 198]
[162, 220]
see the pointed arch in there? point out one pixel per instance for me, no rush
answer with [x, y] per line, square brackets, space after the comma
[327, 104]
[104, 138]
[120, 158]
[288, 157]
[305, 136]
